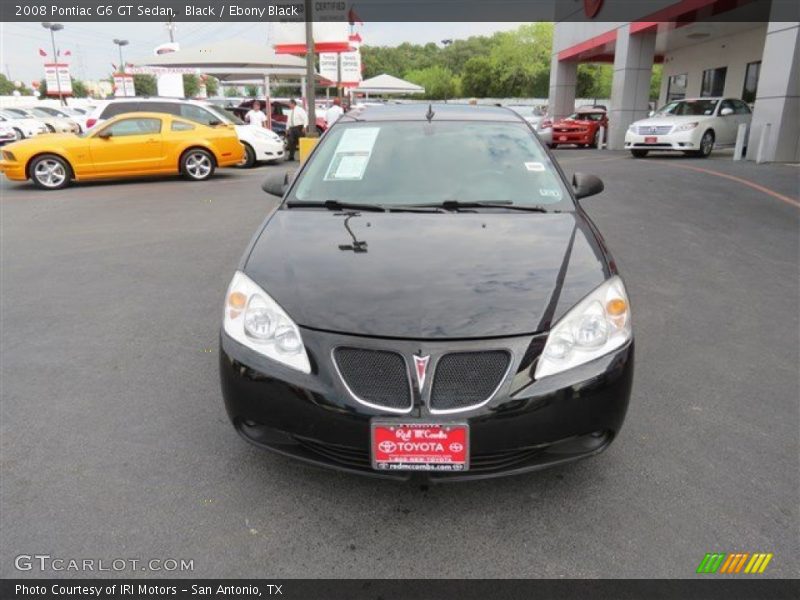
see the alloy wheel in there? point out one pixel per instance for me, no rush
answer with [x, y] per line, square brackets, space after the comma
[198, 165]
[50, 173]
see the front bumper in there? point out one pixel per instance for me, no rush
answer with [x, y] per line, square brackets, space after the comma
[527, 425]
[682, 141]
[572, 137]
[13, 170]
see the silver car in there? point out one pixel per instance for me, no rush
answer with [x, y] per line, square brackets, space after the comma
[537, 117]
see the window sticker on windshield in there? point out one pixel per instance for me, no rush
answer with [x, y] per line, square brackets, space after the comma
[352, 154]
[549, 193]
[534, 166]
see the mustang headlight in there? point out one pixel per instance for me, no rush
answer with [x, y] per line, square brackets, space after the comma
[255, 320]
[686, 126]
[598, 324]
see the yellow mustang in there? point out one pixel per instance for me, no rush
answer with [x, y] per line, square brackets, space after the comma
[128, 145]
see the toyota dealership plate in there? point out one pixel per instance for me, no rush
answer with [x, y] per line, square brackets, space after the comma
[399, 446]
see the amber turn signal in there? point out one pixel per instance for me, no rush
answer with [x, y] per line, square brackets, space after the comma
[616, 307]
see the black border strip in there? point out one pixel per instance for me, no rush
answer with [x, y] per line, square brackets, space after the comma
[709, 587]
[371, 11]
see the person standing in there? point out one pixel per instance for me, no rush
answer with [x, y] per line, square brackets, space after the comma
[296, 125]
[334, 112]
[255, 117]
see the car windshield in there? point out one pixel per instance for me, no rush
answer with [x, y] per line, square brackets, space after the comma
[16, 113]
[688, 108]
[226, 115]
[40, 113]
[586, 116]
[416, 162]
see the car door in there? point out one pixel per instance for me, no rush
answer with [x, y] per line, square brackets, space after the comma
[129, 146]
[727, 124]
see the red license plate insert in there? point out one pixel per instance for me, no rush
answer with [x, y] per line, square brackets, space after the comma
[402, 446]
[651, 140]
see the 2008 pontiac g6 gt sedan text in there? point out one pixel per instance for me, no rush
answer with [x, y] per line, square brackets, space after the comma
[428, 297]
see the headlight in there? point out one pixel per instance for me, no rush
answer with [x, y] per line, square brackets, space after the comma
[687, 126]
[633, 127]
[598, 324]
[255, 320]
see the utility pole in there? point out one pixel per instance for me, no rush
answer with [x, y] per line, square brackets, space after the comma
[310, 82]
[171, 28]
[53, 27]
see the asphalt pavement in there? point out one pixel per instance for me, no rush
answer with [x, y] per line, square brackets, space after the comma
[114, 442]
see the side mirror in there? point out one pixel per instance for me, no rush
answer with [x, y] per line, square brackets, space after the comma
[586, 185]
[104, 135]
[725, 112]
[214, 123]
[276, 184]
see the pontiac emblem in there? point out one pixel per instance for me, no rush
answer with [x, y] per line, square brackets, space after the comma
[421, 368]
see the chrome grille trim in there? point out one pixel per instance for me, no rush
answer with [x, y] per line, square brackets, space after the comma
[400, 411]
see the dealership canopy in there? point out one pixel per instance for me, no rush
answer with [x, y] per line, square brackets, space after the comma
[232, 62]
[386, 84]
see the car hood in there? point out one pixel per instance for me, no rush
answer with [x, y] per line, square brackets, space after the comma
[46, 141]
[427, 276]
[670, 120]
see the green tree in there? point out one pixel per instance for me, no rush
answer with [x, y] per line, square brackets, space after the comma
[6, 87]
[145, 85]
[212, 86]
[655, 82]
[191, 85]
[438, 82]
[476, 77]
[251, 91]
[594, 81]
[79, 89]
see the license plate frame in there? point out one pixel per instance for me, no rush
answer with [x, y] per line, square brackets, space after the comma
[651, 139]
[419, 460]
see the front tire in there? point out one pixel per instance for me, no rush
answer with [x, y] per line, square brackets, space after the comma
[706, 145]
[18, 135]
[639, 153]
[197, 164]
[249, 157]
[596, 140]
[50, 172]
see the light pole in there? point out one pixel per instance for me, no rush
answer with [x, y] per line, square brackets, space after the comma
[53, 27]
[121, 43]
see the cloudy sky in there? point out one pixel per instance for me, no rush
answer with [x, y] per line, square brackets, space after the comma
[93, 50]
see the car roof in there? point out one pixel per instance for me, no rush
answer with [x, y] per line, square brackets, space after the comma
[703, 98]
[441, 112]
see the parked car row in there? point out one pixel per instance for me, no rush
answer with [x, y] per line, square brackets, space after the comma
[694, 126]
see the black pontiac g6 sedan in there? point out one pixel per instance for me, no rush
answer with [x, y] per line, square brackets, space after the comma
[429, 297]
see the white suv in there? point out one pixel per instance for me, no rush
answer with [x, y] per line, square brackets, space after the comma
[260, 144]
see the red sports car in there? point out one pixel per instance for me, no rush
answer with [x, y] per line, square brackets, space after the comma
[581, 128]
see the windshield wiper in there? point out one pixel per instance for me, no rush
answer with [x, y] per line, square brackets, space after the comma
[457, 205]
[337, 205]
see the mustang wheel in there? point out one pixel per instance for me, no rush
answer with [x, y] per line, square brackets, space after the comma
[197, 165]
[249, 157]
[50, 172]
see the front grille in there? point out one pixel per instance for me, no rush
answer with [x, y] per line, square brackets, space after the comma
[465, 379]
[654, 130]
[375, 377]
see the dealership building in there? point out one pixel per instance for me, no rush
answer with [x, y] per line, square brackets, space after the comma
[707, 48]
